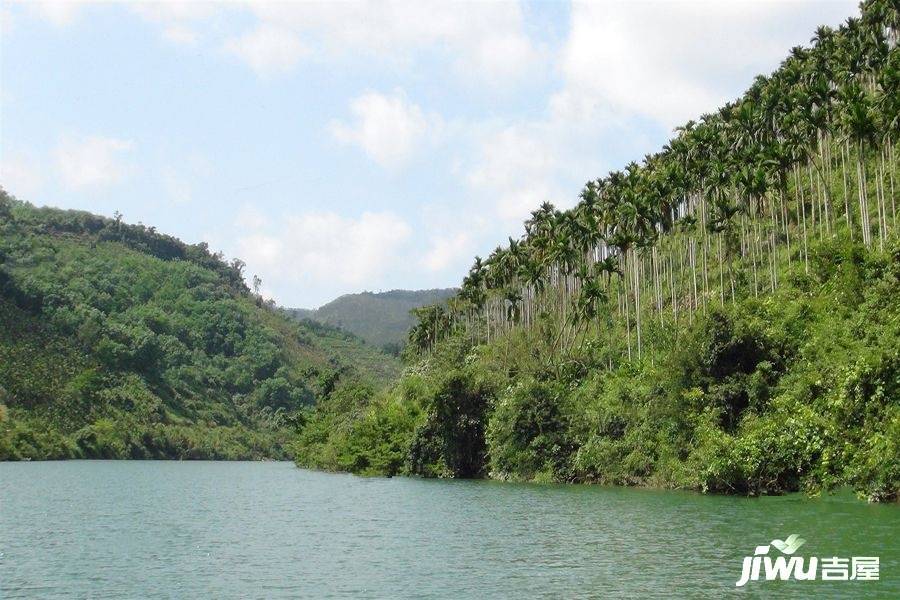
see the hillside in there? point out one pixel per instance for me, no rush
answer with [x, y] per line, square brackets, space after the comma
[117, 341]
[382, 319]
[721, 317]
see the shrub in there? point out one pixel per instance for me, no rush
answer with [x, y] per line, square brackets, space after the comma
[527, 432]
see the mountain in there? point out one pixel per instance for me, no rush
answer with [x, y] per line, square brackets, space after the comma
[382, 319]
[118, 341]
[722, 316]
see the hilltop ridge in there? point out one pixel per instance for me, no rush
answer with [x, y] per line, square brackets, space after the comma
[118, 341]
[380, 318]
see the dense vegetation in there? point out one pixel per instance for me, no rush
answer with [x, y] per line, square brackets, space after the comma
[382, 319]
[721, 317]
[119, 342]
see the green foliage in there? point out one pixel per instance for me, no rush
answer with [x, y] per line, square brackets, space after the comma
[117, 341]
[453, 433]
[357, 429]
[527, 432]
[797, 390]
[770, 454]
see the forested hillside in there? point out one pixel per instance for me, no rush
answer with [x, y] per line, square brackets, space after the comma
[117, 341]
[722, 316]
[382, 319]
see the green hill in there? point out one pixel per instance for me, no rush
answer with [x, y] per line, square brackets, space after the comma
[382, 319]
[118, 341]
[722, 317]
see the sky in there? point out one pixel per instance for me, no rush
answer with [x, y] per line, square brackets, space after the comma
[341, 147]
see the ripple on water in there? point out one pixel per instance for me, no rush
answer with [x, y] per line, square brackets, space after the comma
[244, 530]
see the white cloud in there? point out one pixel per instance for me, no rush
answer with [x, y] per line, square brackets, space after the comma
[672, 61]
[502, 56]
[262, 250]
[481, 42]
[389, 129]
[324, 250]
[92, 161]
[181, 22]
[60, 14]
[518, 168]
[169, 11]
[268, 49]
[485, 41]
[19, 176]
[447, 251]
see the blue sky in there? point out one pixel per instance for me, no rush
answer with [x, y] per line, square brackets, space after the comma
[340, 147]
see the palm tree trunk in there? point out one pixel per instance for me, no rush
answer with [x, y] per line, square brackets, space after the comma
[802, 202]
[882, 167]
[813, 203]
[721, 270]
[782, 192]
[846, 192]
[772, 246]
[637, 301]
[893, 166]
[671, 264]
[625, 266]
[693, 260]
[704, 240]
[863, 200]
[823, 173]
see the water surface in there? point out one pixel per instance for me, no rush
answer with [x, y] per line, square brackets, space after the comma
[143, 529]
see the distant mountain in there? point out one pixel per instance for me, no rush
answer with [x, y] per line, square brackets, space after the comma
[382, 319]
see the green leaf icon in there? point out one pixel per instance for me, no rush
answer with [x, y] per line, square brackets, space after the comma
[790, 545]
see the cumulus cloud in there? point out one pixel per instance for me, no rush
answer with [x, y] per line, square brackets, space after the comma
[180, 22]
[388, 128]
[673, 61]
[517, 167]
[482, 40]
[92, 161]
[171, 11]
[268, 49]
[60, 14]
[324, 250]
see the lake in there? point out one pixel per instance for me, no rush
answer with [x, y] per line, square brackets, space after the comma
[143, 529]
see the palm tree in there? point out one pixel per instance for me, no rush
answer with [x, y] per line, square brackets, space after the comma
[858, 124]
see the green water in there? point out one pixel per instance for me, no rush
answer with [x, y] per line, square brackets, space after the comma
[268, 530]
